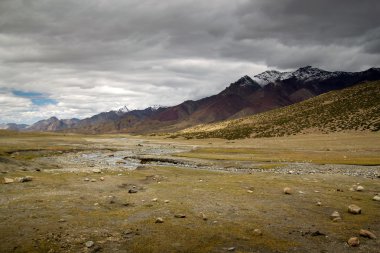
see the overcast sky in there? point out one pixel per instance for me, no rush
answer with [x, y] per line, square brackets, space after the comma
[76, 58]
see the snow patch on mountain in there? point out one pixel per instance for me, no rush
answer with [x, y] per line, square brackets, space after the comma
[305, 74]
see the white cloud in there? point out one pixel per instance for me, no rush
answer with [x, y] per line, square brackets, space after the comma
[94, 56]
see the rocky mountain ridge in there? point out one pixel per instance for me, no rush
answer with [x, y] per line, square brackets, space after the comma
[247, 96]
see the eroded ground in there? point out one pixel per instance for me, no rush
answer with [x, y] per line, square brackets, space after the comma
[224, 189]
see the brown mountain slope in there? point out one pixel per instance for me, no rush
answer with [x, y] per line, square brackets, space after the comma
[355, 108]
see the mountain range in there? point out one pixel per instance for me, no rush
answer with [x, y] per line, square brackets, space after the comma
[247, 96]
[355, 108]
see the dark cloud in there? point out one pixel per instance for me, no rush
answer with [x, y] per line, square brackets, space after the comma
[97, 55]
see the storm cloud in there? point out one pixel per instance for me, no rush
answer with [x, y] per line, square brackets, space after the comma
[96, 55]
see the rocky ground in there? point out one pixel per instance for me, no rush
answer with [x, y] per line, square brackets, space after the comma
[139, 195]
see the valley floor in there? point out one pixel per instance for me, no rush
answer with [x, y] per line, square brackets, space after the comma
[119, 193]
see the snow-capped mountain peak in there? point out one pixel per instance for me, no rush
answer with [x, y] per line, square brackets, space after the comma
[270, 76]
[123, 110]
[305, 74]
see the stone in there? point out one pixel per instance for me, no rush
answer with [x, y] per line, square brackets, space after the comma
[368, 234]
[166, 201]
[25, 179]
[287, 190]
[354, 209]
[257, 232]
[89, 244]
[86, 179]
[159, 220]
[231, 249]
[376, 198]
[204, 217]
[101, 178]
[317, 233]
[335, 216]
[359, 188]
[319, 203]
[8, 180]
[93, 180]
[97, 170]
[249, 191]
[132, 191]
[155, 200]
[180, 216]
[62, 220]
[353, 242]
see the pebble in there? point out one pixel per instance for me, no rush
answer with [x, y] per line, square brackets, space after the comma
[319, 203]
[89, 244]
[159, 220]
[62, 220]
[335, 216]
[257, 232]
[93, 180]
[231, 249]
[354, 209]
[359, 188]
[86, 179]
[101, 178]
[353, 242]
[97, 170]
[8, 180]
[166, 201]
[249, 191]
[132, 191]
[366, 233]
[180, 216]
[155, 200]
[204, 217]
[376, 198]
[287, 190]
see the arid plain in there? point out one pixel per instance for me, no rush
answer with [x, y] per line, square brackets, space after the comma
[121, 193]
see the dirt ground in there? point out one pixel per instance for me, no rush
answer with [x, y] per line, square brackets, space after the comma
[211, 195]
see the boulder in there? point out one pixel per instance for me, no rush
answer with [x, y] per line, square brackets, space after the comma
[335, 216]
[353, 242]
[359, 188]
[89, 244]
[287, 190]
[368, 234]
[354, 209]
[8, 180]
[257, 232]
[159, 220]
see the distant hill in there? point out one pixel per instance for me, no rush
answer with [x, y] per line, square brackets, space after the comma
[247, 96]
[13, 126]
[356, 108]
[52, 124]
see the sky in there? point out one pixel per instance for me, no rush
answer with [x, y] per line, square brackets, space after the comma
[71, 58]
